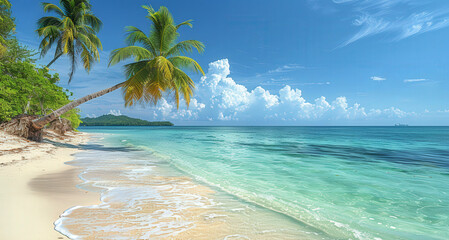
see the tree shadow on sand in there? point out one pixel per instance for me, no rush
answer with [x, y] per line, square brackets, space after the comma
[97, 147]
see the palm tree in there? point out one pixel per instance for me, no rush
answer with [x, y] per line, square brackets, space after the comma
[158, 61]
[72, 32]
[157, 68]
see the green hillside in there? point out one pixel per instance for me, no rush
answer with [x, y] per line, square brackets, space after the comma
[111, 120]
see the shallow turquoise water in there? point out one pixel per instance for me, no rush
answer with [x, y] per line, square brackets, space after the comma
[348, 182]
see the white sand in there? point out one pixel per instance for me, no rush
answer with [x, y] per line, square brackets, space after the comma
[36, 186]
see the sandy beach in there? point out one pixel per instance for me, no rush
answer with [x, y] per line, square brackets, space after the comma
[37, 186]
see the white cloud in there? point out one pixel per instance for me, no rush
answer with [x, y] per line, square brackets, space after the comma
[272, 76]
[91, 115]
[415, 80]
[378, 78]
[400, 18]
[342, 1]
[219, 97]
[286, 68]
[369, 26]
[114, 112]
[316, 83]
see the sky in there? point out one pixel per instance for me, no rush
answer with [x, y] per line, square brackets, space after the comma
[289, 62]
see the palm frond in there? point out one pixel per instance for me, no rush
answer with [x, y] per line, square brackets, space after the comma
[96, 43]
[6, 3]
[153, 92]
[93, 21]
[68, 7]
[138, 74]
[136, 35]
[72, 57]
[49, 21]
[68, 24]
[163, 31]
[185, 23]
[68, 41]
[183, 62]
[90, 46]
[158, 69]
[59, 47]
[49, 7]
[48, 31]
[73, 31]
[85, 29]
[162, 66]
[121, 54]
[185, 47]
[51, 35]
[87, 58]
[183, 84]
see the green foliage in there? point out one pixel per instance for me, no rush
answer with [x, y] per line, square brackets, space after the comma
[159, 65]
[27, 89]
[74, 116]
[17, 52]
[72, 30]
[6, 25]
[111, 120]
[24, 87]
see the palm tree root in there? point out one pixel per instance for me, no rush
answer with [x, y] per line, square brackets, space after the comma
[61, 126]
[22, 126]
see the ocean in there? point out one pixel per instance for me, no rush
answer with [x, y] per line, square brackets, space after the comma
[263, 183]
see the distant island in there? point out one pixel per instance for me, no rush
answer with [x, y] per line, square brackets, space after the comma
[122, 120]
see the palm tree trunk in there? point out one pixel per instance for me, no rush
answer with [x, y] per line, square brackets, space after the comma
[38, 124]
[54, 60]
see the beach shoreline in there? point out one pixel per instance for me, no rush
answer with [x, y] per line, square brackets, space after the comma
[151, 189]
[144, 196]
[37, 185]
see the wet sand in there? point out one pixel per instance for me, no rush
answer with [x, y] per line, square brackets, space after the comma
[36, 185]
[141, 199]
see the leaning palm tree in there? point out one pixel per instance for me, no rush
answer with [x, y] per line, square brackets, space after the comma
[158, 67]
[72, 32]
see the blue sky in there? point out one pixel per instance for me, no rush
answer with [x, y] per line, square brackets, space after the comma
[311, 62]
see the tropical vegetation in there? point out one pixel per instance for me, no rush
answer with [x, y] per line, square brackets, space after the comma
[6, 25]
[71, 32]
[26, 88]
[158, 66]
[122, 120]
[159, 63]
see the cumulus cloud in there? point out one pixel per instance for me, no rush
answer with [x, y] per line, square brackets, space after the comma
[219, 97]
[378, 78]
[114, 112]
